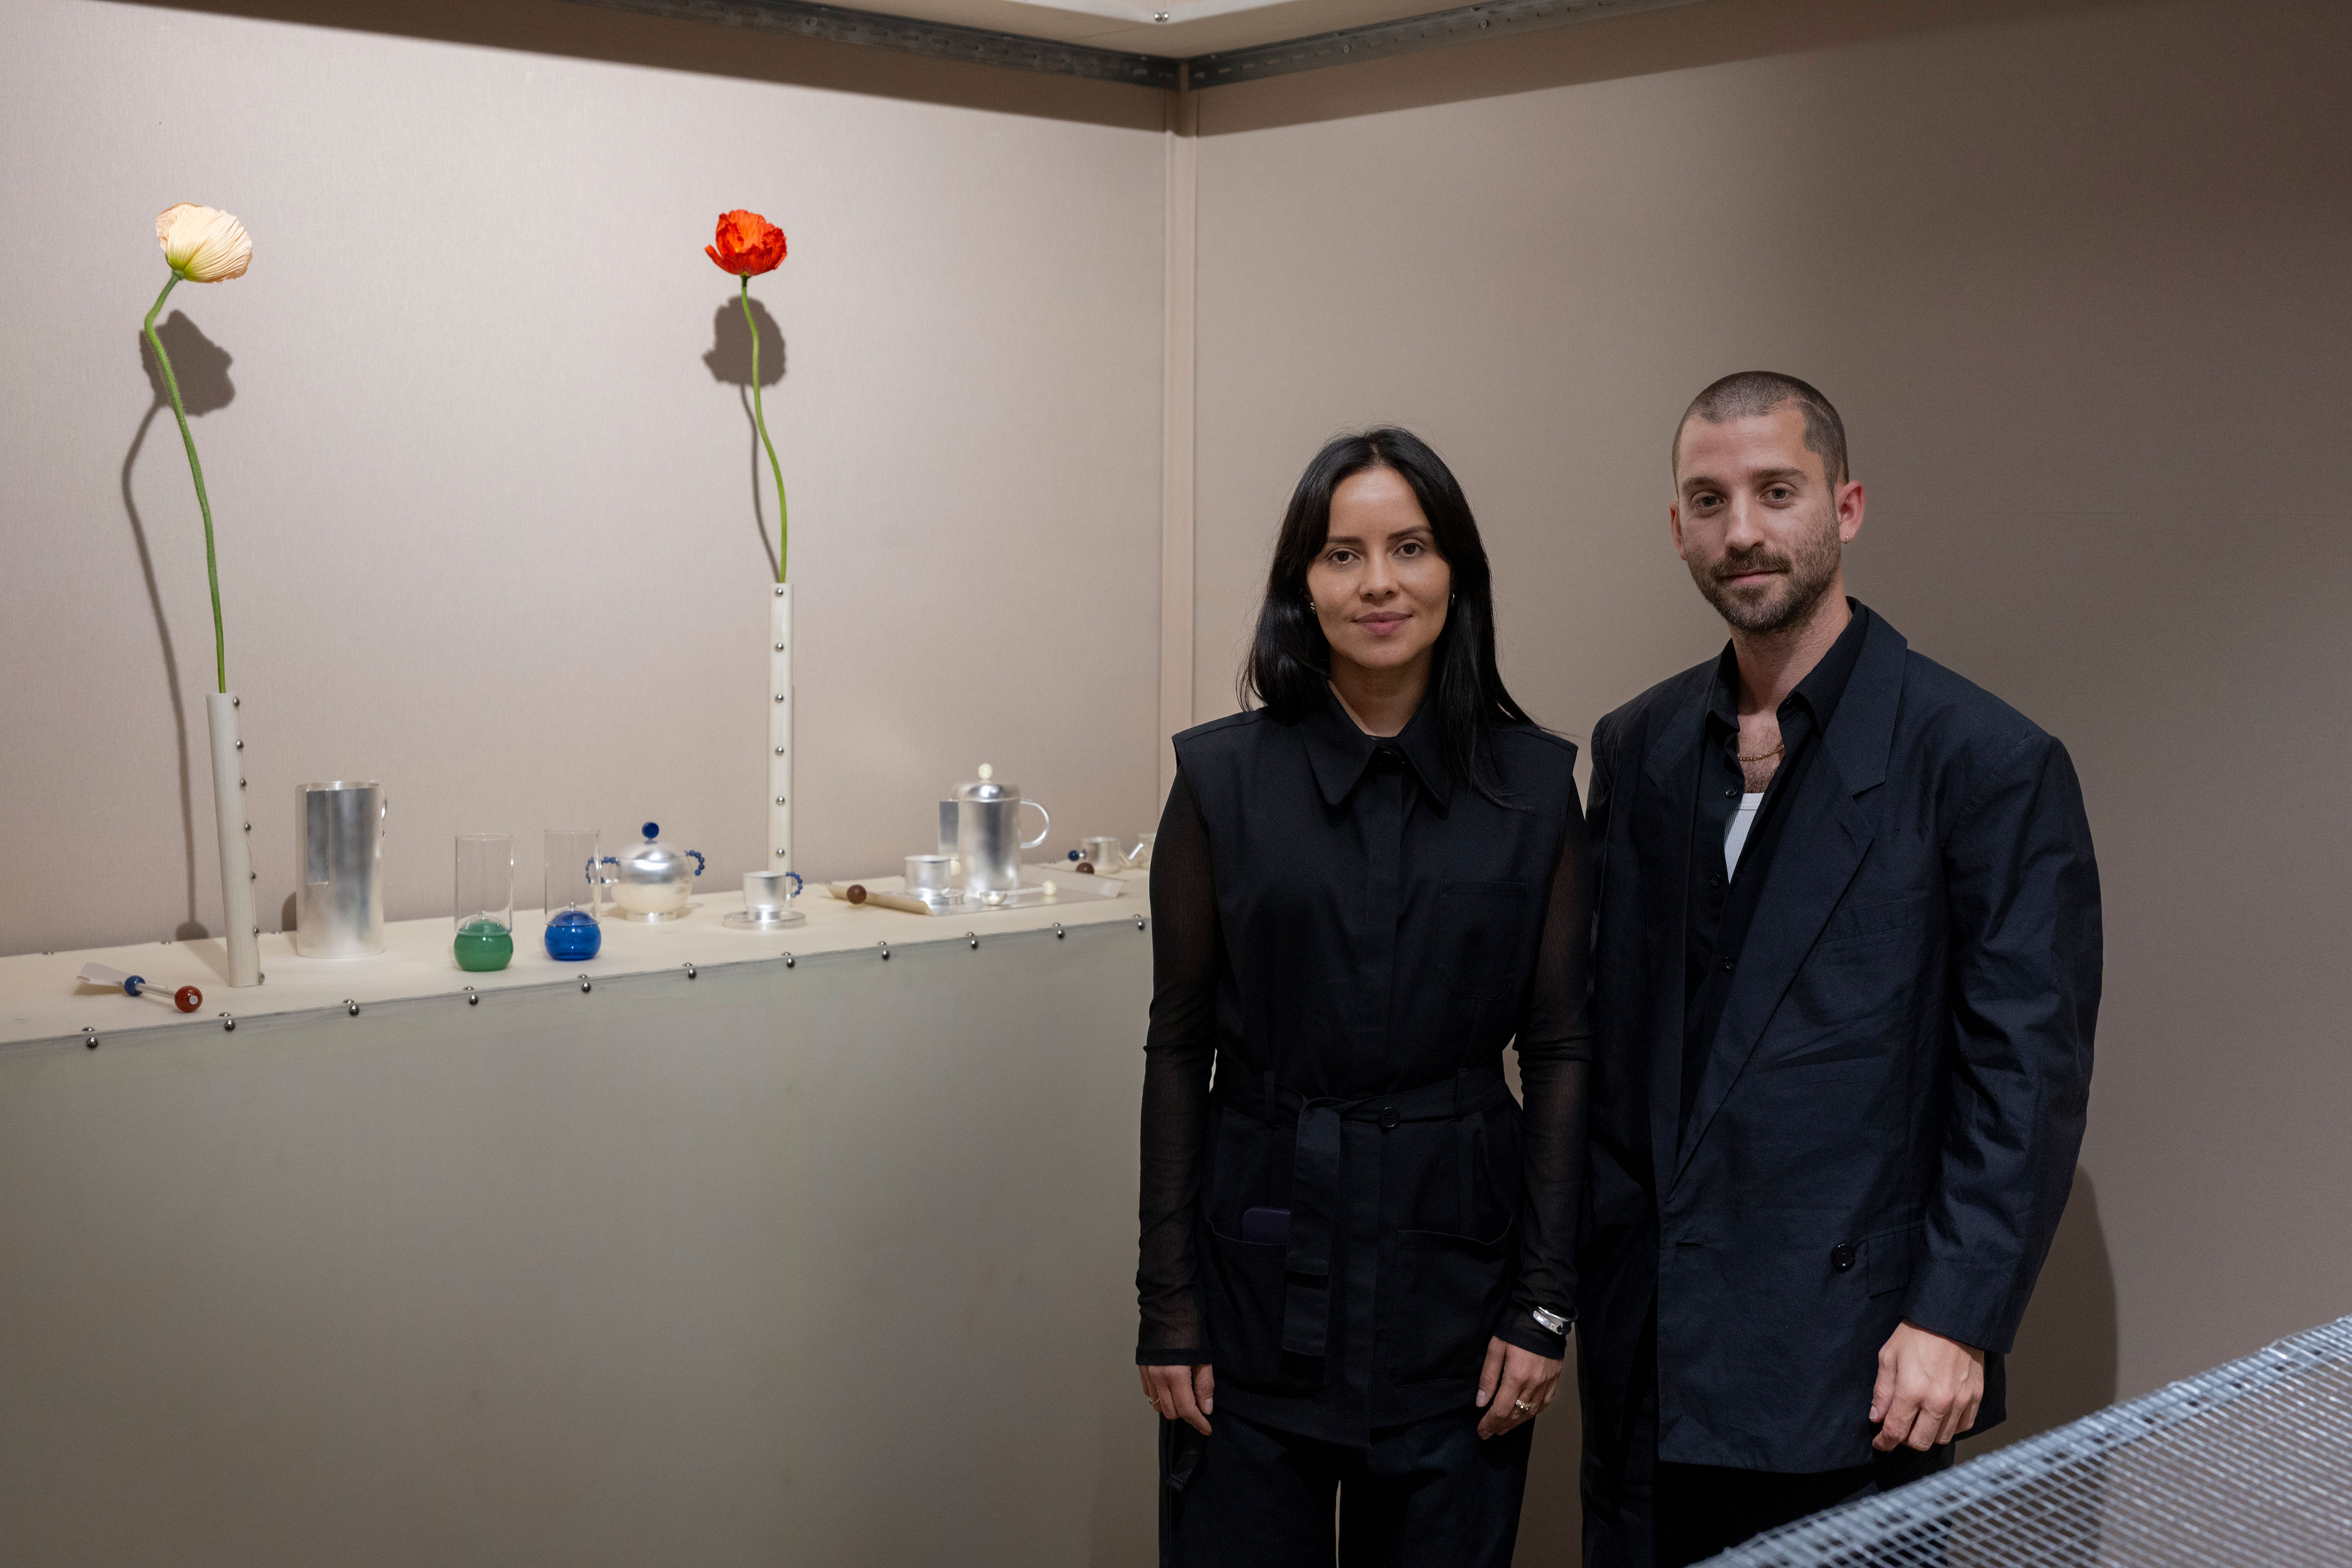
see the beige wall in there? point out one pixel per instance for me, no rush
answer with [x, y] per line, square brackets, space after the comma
[2075, 276]
[485, 515]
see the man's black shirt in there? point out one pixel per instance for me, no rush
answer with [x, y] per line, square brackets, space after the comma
[1721, 906]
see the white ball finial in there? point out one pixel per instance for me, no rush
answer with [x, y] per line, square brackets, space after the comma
[986, 773]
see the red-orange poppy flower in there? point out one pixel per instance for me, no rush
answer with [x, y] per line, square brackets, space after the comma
[748, 245]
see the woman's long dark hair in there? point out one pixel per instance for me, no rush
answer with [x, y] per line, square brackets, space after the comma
[1289, 666]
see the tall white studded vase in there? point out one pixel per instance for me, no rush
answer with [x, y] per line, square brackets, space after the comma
[780, 727]
[243, 930]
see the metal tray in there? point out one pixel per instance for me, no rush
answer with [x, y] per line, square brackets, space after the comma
[1040, 884]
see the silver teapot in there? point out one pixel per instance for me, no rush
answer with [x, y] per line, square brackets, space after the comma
[652, 882]
[988, 833]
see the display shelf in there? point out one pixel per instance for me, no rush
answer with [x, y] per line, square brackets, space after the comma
[40, 999]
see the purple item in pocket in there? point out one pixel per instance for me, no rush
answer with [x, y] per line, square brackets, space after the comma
[1268, 1227]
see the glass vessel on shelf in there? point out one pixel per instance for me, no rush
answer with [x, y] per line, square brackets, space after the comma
[484, 905]
[574, 880]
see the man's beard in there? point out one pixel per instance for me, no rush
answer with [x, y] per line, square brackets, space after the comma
[1786, 601]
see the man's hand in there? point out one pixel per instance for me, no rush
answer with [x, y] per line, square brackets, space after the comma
[1928, 1389]
[1514, 1386]
[1184, 1393]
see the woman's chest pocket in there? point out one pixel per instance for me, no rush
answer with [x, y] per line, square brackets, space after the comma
[1484, 942]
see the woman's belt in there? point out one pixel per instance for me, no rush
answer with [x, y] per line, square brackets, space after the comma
[1314, 1172]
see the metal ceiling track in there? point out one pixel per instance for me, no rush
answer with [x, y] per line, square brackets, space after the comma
[1411, 35]
[939, 40]
[943, 40]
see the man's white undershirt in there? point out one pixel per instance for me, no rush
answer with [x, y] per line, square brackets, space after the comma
[1735, 837]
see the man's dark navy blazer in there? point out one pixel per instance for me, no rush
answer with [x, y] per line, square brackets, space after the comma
[1887, 1119]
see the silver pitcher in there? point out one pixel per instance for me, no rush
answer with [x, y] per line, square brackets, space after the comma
[988, 833]
[338, 857]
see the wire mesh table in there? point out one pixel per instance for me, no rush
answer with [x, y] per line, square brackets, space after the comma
[2250, 1463]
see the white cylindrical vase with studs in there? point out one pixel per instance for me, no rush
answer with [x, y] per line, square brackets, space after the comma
[244, 932]
[779, 750]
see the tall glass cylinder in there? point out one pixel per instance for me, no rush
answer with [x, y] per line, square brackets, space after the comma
[573, 878]
[484, 905]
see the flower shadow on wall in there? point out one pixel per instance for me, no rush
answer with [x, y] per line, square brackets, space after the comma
[202, 368]
[730, 361]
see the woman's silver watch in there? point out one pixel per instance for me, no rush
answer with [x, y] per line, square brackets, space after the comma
[1552, 1323]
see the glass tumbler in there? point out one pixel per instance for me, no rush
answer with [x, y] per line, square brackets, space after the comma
[485, 907]
[573, 876]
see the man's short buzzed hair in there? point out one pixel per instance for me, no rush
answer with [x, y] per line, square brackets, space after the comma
[1746, 394]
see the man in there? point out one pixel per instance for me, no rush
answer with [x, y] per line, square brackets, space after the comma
[1846, 974]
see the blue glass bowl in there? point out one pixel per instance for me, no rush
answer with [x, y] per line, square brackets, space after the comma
[573, 935]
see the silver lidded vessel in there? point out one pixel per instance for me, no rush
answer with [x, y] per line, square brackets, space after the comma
[653, 881]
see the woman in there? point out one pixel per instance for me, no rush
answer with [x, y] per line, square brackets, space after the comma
[1356, 1264]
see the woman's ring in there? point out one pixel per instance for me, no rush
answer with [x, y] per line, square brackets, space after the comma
[1523, 1407]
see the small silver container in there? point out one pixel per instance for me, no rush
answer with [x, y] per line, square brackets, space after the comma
[339, 858]
[767, 891]
[767, 902]
[929, 873]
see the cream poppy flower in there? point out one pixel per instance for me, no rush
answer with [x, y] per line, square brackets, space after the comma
[203, 245]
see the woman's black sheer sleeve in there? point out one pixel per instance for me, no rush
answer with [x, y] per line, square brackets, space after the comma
[1555, 1045]
[1177, 1051]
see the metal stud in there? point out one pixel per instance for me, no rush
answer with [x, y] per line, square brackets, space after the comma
[689, 972]
[1058, 932]
[583, 984]
[236, 702]
[886, 951]
[351, 1007]
[780, 751]
[1139, 922]
[779, 647]
[89, 1039]
[228, 1023]
[789, 960]
[779, 696]
[473, 998]
[972, 937]
[779, 799]
[240, 746]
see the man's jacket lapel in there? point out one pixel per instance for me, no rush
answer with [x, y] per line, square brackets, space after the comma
[1821, 848]
[1670, 797]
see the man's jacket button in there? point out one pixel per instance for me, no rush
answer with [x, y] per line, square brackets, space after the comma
[1388, 1117]
[1841, 1257]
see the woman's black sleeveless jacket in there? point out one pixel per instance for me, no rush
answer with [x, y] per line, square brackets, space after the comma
[1351, 936]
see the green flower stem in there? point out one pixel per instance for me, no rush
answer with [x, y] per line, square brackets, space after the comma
[758, 414]
[179, 412]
